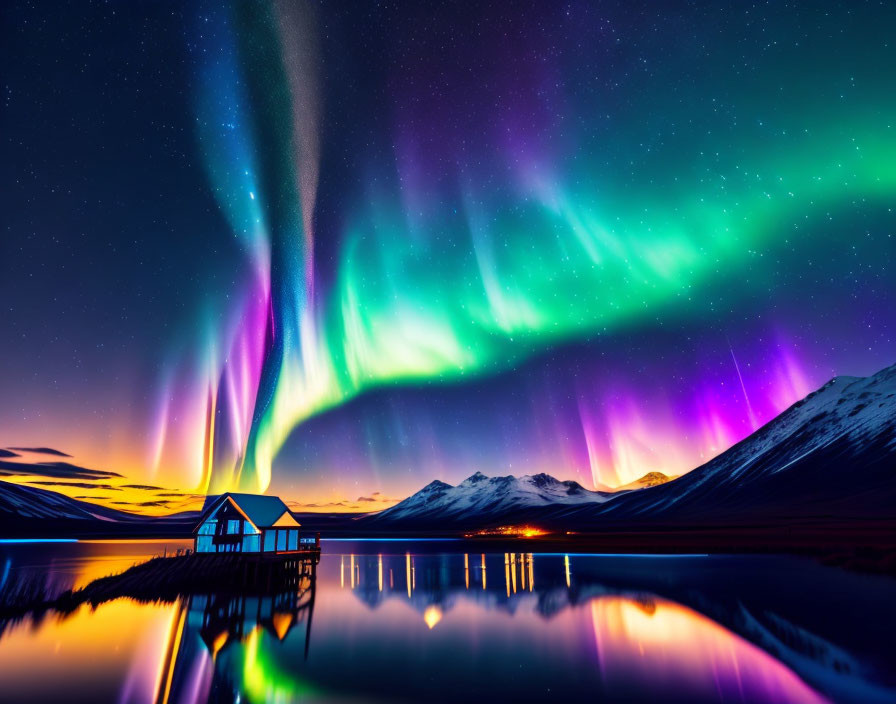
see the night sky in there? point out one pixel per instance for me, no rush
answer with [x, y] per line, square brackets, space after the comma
[337, 249]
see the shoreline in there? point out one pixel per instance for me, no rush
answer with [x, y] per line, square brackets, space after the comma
[866, 547]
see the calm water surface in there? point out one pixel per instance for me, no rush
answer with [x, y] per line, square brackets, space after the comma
[418, 621]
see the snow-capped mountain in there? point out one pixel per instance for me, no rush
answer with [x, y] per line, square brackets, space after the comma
[487, 497]
[829, 457]
[648, 480]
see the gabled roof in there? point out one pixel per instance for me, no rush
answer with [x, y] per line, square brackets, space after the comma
[263, 511]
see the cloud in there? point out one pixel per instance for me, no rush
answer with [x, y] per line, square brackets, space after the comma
[376, 497]
[148, 487]
[58, 470]
[40, 451]
[7, 453]
[79, 485]
[150, 504]
[375, 501]
[363, 504]
[177, 495]
[298, 507]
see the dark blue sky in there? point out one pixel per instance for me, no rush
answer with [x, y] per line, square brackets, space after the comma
[590, 239]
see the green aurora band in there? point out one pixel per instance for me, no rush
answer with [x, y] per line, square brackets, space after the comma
[575, 243]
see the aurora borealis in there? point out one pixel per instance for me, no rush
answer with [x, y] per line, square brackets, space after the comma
[334, 251]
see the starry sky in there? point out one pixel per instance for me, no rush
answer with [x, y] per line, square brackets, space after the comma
[337, 250]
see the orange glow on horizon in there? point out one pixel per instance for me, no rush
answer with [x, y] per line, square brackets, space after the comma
[119, 493]
[130, 496]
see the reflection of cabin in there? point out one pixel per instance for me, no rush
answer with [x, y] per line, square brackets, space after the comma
[223, 618]
[231, 619]
[250, 523]
[234, 615]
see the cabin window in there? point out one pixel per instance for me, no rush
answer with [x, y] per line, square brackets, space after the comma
[293, 540]
[208, 528]
[249, 529]
[204, 544]
[269, 540]
[250, 543]
[281, 540]
[233, 526]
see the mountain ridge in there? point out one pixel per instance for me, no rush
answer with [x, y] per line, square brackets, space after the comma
[27, 511]
[791, 467]
[483, 495]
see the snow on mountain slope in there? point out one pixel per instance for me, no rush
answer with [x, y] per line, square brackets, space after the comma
[31, 502]
[32, 512]
[831, 456]
[484, 496]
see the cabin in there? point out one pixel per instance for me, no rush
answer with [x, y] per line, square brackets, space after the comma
[251, 523]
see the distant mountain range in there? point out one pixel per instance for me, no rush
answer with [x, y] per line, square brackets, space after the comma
[830, 457]
[487, 497]
[483, 496]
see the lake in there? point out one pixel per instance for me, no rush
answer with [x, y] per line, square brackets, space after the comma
[411, 621]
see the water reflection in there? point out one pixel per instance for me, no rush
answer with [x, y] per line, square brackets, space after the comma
[215, 631]
[677, 649]
[508, 626]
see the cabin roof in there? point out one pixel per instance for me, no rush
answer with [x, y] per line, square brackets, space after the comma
[263, 511]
